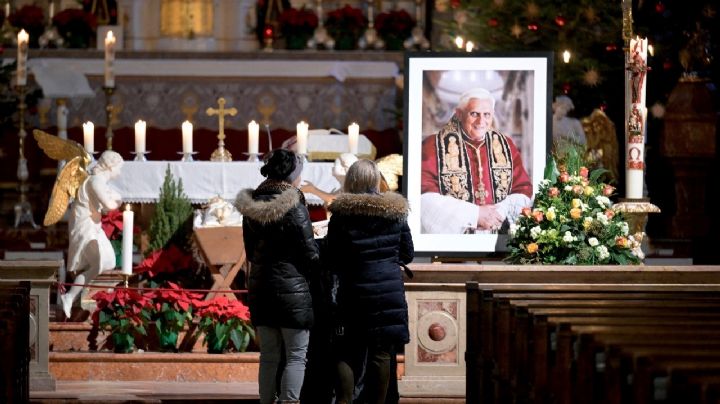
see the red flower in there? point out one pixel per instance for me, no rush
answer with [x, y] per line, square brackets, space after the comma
[125, 303]
[584, 172]
[564, 177]
[75, 23]
[29, 17]
[112, 224]
[538, 215]
[176, 297]
[222, 309]
[395, 23]
[298, 22]
[608, 190]
[346, 21]
[165, 260]
[553, 192]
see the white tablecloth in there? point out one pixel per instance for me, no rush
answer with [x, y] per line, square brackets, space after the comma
[140, 182]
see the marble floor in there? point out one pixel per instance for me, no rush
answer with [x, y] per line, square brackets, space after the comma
[162, 392]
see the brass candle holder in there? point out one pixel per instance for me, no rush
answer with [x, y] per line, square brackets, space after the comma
[109, 115]
[23, 208]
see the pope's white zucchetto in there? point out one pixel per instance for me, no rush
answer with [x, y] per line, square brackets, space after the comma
[477, 92]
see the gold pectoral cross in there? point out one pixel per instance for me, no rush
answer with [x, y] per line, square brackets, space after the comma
[220, 154]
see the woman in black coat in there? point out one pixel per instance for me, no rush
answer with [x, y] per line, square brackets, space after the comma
[367, 242]
[281, 249]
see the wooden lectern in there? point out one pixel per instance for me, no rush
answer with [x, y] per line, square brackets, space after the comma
[223, 250]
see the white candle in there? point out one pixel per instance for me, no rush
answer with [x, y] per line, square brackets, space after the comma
[22, 53]
[127, 240]
[51, 13]
[353, 137]
[109, 59]
[187, 137]
[89, 137]
[253, 137]
[7, 9]
[302, 135]
[140, 127]
[636, 120]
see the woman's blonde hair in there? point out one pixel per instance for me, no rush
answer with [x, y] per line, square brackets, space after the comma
[363, 177]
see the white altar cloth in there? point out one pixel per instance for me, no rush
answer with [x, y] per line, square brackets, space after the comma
[140, 182]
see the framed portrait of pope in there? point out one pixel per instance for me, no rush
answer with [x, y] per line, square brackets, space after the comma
[477, 133]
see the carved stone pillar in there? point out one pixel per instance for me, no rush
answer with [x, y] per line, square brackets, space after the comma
[233, 20]
[688, 143]
[141, 23]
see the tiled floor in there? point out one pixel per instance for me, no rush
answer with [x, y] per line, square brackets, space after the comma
[162, 392]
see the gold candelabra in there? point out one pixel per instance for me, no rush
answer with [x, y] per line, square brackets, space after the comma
[109, 115]
[23, 209]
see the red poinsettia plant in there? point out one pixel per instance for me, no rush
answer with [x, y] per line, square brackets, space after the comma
[222, 321]
[345, 25]
[31, 18]
[394, 27]
[298, 21]
[166, 260]
[125, 312]
[172, 308]
[75, 26]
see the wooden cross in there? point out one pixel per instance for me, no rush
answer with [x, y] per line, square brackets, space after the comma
[221, 112]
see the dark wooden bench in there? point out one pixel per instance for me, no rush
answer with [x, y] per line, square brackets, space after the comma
[14, 342]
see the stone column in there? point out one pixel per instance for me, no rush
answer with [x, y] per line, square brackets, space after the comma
[41, 274]
[141, 23]
[232, 25]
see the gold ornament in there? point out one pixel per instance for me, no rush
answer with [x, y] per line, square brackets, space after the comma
[532, 10]
[516, 31]
[590, 14]
[591, 77]
[72, 175]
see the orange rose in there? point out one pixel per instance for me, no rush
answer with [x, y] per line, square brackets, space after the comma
[553, 192]
[532, 248]
[575, 213]
[538, 215]
[609, 213]
[608, 190]
[621, 241]
[527, 212]
[564, 177]
[584, 172]
[578, 189]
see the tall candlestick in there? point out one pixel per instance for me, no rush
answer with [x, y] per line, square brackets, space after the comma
[187, 137]
[140, 127]
[353, 137]
[253, 137]
[7, 9]
[109, 59]
[127, 240]
[89, 137]
[51, 12]
[636, 115]
[22, 53]
[302, 136]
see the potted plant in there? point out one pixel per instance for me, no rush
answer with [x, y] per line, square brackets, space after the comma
[76, 27]
[172, 308]
[297, 26]
[31, 18]
[345, 25]
[112, 225]
[394, 27]
[223, 321]
[572, 221]
[125, 312]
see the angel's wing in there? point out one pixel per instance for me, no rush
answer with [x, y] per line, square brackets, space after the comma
[391, 167]
[61, 149]
[66, 186]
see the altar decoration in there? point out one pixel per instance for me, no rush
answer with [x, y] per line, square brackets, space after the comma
[223, 321]
[345, 25]
[125, 313]
[113, 225]
[171, 224]
[171, 310]
[297, 26]
[218, 213]
[31, 18]
[76, 27]
[394, 27]
[572, 221]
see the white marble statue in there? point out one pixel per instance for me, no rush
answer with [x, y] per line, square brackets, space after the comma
[218, 213]
[564, 127]
[88, 192]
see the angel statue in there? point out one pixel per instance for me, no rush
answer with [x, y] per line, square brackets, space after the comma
[89, 252]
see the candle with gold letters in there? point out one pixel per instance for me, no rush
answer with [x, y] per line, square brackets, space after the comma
[109, 60]
[636, 113]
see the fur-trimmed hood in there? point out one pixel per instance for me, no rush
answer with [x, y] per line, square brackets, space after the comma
[266, 211]
[389, 205]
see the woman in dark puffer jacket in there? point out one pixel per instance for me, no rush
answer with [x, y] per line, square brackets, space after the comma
[367, 242]
[282, 252]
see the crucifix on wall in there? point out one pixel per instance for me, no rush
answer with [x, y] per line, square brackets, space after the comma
[221, 154]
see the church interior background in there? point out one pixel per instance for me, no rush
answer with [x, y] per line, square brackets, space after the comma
[267, 59]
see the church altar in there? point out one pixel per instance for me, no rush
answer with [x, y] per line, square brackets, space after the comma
[140, 182]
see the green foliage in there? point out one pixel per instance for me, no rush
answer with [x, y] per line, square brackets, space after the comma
[590, 30]
[171, 223]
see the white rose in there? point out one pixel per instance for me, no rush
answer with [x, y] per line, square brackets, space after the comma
[593, 241]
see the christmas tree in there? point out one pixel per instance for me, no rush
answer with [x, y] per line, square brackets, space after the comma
[171, 223]
[588, 33]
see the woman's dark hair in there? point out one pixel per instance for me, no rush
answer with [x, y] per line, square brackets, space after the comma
[279, 164]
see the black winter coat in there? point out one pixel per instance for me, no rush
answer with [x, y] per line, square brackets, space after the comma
[368, 238]
[281, 249]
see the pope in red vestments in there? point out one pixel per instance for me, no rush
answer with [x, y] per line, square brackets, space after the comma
[473, 179]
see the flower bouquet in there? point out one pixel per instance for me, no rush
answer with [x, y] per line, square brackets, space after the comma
[297, 26]
[222, 321]
[345, 25]
[125, 312]
[76, 27]
[31, 18]
[172, 308]
[572, 222]
[394, 28]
